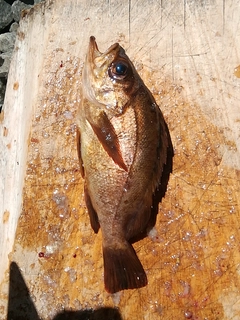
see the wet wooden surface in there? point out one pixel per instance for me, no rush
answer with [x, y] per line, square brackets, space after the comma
[187, 52]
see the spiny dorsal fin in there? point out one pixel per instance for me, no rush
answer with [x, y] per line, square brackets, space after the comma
[78, 138]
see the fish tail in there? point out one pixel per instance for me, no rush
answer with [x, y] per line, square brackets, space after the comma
[122, 269]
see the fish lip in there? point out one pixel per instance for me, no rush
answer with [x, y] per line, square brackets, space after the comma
[93, 44]
[93, 51]
[114, 47]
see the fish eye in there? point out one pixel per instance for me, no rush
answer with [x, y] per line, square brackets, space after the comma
[118, 70]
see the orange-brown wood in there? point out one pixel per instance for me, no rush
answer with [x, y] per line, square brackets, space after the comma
[187, 54]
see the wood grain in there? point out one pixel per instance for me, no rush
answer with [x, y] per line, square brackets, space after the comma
[187, 53]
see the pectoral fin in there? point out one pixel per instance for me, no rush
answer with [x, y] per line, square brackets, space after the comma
[106, 134]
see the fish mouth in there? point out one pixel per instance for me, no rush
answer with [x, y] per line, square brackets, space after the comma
[95, 71]
[95, 56]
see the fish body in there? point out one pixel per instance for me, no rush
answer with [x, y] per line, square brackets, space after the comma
[125, 153]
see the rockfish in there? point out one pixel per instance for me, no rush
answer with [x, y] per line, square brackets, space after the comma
[125, 153]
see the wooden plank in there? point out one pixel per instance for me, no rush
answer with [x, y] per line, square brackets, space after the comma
[188, 54]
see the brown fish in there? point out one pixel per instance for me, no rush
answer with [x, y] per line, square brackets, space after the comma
[126, 154]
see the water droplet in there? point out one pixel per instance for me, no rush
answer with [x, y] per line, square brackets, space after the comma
[237, 71]
[232, 210]
[188, 314]
[45, 135]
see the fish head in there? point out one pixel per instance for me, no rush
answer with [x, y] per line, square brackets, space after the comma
[109, 78]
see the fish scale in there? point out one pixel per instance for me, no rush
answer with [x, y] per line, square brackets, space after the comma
[126, 155]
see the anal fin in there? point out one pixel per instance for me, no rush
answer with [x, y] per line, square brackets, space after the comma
[91, 211]
[122, 269]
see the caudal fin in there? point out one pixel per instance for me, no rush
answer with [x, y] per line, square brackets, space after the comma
[122, 269]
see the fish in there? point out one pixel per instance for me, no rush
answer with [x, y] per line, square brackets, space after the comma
[125, 153]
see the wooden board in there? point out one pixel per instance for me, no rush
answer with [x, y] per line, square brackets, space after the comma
[187, 52]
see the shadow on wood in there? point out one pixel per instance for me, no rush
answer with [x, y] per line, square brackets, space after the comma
[21, 306]
[99, 314]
